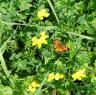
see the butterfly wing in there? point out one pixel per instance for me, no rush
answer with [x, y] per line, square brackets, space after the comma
[59, 47]
[56, 44]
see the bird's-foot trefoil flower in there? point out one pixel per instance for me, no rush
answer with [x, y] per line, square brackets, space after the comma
[42, 13]
[51, 77]
[39, 41]
[56, 76]
[79, 75]
[33, 86]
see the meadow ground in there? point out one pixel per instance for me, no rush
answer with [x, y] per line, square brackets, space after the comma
[47, 47]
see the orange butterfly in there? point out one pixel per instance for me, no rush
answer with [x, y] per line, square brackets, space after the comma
[59, 47]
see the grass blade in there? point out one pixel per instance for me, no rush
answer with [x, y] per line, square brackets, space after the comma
[4, 45]
[38, 26]
[52, 8]
[3, 64]
[82, 36]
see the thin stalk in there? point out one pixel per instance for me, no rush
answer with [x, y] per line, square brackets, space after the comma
[52, 8]
[3, 64]
[38, 26]
[82, 36]
[4, 45]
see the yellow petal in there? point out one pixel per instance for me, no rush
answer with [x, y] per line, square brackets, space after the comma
[29, 87]
[61, 76]
[57, 76]
[41, 17]
[34, 41]
[46, 14]
[42, 13]
[79, 75]
[74, 77]
[44, 41]
[39, 44]
[38, 85]
[51, 76]
[33, 90]
[33, 84]
[49, 79]
[34, 38]
[43, 35]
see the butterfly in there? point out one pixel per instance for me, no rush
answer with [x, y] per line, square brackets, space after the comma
[59, 47]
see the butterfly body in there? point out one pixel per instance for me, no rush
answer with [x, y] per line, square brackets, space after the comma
[59, 47]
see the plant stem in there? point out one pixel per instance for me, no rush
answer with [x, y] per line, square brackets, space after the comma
[38, 26]
[3, 64]
[52, 8]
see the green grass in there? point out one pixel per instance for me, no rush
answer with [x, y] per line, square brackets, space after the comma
[72, 22]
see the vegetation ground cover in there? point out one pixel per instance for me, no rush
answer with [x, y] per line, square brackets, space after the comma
[47, 47]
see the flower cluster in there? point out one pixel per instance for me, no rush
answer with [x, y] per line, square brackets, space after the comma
[34, 85]
[42, 13]
[79, 75]
[53, 76]
[39, 41]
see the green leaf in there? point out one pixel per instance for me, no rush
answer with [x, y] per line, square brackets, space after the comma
[6, 91]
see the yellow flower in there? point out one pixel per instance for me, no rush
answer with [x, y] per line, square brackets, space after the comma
[61, 76]
[31, 89]
[34, 40]
[38, 85]
[34, 84]
[40, 41]
[51, 76]
[58, 76]
[43, 37]
[79, 75]
[42, 13]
